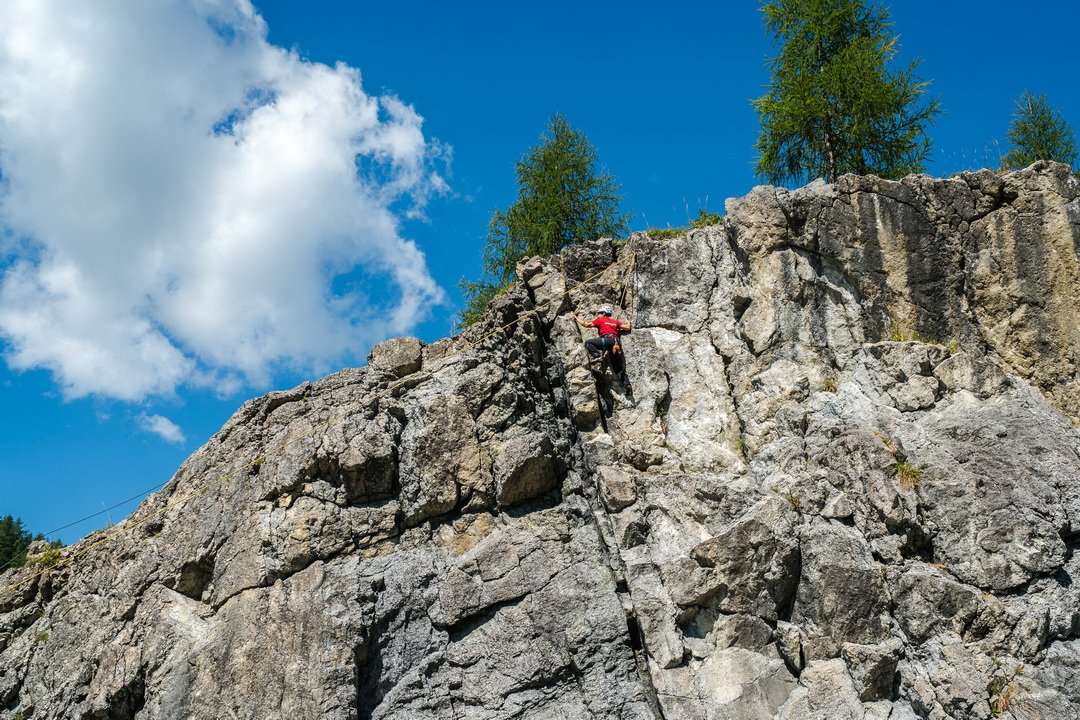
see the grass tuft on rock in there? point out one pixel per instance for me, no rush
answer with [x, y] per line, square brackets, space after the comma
[909, 476]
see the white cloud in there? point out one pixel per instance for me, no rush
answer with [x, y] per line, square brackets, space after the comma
[163, 427]
[181, 200]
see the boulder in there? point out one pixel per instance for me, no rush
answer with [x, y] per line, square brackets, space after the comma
[397, 357]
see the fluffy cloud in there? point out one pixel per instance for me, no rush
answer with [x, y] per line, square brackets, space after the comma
[163, 427]
[184, 203]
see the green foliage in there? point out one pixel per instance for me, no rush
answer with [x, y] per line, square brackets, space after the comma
[1038, 132]
[829, 384]
[833, 106]
[1004, 689]
[892, 447]
[792, 499]
[705, 218]
[563, 198]
[478, 295]
[50, 557]
[14, 539]
[665, 233]
[896, 332]
[908, 475]
[41, 637]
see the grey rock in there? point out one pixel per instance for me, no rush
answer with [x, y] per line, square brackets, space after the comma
[617, 489]
[827, 692]
[735, 683]
[845, 483]
[750, 566]
[398, 357]
[838, 508]
[873, 668]
[842, 596]
[979, 376]
[950, 681]
[1055, 691]
[929, 603]
[789, 640]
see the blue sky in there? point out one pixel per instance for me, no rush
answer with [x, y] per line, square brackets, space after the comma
[183, 227]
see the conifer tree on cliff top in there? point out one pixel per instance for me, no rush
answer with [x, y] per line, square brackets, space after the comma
[833, 106]
[1038, 132]
[563, 198]
[14, 539]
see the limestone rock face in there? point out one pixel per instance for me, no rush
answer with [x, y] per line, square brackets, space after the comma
[844, 483]
[397, 357]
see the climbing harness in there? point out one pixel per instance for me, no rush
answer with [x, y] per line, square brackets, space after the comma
[132, 524]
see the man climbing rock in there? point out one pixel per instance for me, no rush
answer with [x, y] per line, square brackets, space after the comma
[608, 341]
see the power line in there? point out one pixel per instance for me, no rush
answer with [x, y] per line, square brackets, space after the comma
[81, 520]
[144, 493]
[200, 489]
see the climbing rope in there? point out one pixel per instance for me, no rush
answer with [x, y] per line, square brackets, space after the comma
[131, 524]
[625, 284]
[617, 348]
[622, 302]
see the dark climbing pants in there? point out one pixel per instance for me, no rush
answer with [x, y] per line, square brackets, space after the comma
[598, 346]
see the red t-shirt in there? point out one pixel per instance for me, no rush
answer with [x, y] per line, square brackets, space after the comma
[608, 327]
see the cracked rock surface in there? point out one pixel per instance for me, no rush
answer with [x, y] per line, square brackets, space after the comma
[845, 483]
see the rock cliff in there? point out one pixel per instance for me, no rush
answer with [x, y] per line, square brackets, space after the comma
[844, 484]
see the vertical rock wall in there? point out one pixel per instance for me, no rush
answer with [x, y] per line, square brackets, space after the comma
[843, 484]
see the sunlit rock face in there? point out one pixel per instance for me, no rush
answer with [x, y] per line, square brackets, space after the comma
[845, 483]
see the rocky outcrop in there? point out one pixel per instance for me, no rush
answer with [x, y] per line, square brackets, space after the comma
[844, 484]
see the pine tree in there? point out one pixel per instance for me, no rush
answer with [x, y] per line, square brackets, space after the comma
[563, 198]
[14, 539]
[1038, 132]
[833, 106]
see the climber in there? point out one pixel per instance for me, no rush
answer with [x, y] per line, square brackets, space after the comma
[609, 329]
